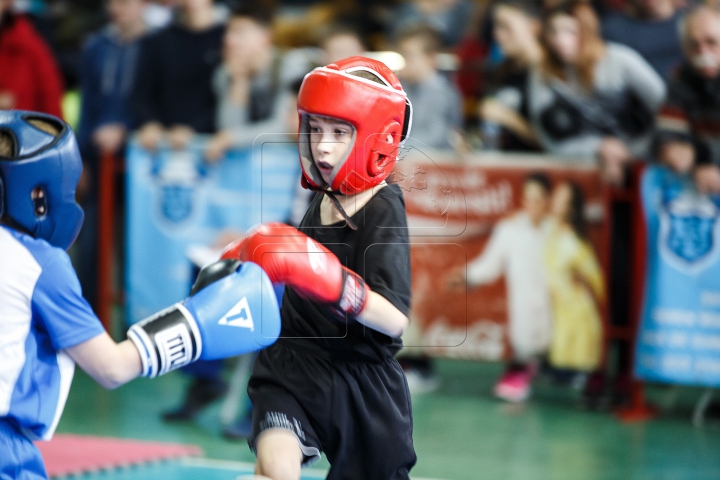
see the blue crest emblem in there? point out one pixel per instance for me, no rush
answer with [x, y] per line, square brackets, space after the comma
[689, 228]
[690, 236]
[178, 178]
[176, 202]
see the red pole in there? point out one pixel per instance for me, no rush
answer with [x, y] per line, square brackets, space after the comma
[106, 238]
[638, 410]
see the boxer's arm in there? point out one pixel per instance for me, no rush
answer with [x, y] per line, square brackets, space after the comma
[110, 364]
[291, 257]
[381, 315]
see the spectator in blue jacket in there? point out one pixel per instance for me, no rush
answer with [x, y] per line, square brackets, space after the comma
[109, 65]
[107, 76]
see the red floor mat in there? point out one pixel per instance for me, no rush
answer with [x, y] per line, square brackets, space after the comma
[75, 454]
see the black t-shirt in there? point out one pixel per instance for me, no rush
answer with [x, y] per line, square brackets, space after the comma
[379, 252]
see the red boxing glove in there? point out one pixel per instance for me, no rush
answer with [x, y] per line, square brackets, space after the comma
[291, 257]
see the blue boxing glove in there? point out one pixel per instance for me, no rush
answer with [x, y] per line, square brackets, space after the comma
[232, 310]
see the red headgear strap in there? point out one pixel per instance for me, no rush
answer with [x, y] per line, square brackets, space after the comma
[378, 112]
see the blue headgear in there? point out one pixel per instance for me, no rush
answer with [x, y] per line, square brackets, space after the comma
[40, 159]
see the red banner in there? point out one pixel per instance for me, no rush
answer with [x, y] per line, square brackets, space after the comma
[453, 207]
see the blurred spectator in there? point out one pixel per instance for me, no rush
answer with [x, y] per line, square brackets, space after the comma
[450, 18]
[109, 65]
[649, 27]
[340, 41]
[516, 31]
[251, 84]
[109, 62]
[515, 250]
[159, 13]
[590, 99]
[437, 106]
[29, 75]
[173, 91]
[689, 122]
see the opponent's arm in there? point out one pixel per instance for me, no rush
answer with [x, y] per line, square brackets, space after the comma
[289, 256]
[231, 310]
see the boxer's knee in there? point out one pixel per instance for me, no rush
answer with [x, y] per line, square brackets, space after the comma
[279, 456]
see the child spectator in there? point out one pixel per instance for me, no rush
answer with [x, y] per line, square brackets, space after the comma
[590, 99]
[436, 102]
[173, 91]
[29, 75]
[516, 30]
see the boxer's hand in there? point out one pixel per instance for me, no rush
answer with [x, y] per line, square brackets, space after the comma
[291, 257]
[232, 310]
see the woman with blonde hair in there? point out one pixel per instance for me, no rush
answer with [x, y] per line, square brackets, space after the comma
[591, 99]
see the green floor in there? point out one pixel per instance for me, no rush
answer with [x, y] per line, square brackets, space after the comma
[461, 433]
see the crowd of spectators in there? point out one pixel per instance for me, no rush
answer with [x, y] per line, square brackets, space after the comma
[578, 79]
[587, 81]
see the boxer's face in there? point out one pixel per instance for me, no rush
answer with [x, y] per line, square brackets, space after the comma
[330, 140]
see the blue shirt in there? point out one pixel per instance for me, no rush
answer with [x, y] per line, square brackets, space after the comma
[107, 79]
[657, 41]
[42, 312]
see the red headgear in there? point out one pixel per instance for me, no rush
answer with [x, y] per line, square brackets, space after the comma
[380, 113]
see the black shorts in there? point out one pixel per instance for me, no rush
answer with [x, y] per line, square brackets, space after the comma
[357, 413]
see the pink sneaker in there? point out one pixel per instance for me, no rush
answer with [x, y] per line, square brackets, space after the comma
[514, 385]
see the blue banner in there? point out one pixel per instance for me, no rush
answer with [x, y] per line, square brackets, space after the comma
[176, 200]
[679, 335]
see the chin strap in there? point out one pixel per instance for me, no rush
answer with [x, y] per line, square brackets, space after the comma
[336, 204]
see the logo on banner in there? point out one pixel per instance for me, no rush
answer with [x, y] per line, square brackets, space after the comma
[178, 176]
[177, 202]
[689, 230]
